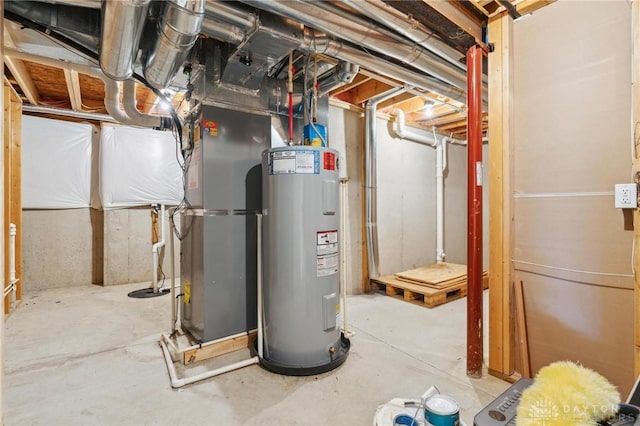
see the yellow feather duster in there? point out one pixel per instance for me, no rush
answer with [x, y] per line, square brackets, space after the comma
[567, 394]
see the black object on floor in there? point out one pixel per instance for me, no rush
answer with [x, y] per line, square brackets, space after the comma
[145, 293]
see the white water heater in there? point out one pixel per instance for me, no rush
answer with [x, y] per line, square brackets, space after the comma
[301, 260]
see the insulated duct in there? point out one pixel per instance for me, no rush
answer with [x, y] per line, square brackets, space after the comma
[122, 23]
[366, 36]
[176, 35]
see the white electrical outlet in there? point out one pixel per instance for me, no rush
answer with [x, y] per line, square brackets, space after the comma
[626, 196]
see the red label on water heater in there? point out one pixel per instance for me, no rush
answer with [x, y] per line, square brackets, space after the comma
[329, 161]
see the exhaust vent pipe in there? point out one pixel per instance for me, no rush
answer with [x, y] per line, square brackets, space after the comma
[176, 35]
[122, 23]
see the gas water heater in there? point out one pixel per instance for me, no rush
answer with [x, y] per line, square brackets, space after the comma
[300, 261]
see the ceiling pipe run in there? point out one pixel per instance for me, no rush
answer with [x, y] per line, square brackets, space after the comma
[382, 13]
[316, 42]
[368, 37]
[230, 14]
[122, 23]
[177, 33]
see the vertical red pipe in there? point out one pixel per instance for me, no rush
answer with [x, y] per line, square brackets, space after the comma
[474, 211]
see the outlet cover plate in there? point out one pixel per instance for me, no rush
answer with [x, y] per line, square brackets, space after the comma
[626, 196]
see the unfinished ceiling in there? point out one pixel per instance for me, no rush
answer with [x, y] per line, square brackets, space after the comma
[453, 26]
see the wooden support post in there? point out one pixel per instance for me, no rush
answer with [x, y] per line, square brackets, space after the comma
[16, 184]
[635, 10]
[7, 191]
[12, 133]
[521, 321]
[501, 333]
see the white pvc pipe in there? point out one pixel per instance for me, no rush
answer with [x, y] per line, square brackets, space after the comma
[440, 202]
[399, 127]
[12, 263]
[172, 291]
[343, 256]
[154, 250]
[259, 286]
[401, 130]
[178, 383]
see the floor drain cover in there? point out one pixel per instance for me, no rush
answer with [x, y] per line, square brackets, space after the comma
[146, 293]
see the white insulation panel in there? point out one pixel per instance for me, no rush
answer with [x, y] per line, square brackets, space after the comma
[56, 164]
[138, 167]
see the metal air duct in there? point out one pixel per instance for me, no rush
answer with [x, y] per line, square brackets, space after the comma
[386, 15]
[341, 74]
[122, 23]
[176, 35]
[145, 120]
[366, 36]
[371, 178]
[230, 14]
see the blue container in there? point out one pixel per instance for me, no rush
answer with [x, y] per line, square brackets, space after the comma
[442, 410]
[315, 137]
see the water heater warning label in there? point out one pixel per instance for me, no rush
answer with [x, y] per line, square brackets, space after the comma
[327, 253]
[294, 162]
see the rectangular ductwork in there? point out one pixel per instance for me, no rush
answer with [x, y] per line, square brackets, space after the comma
[248, 62]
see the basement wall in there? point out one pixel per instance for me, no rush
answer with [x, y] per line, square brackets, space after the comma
[346, 134]
[75, 247]
[407, 203]
[572, 97]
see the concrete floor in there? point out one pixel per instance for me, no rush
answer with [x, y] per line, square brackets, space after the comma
[89, 355]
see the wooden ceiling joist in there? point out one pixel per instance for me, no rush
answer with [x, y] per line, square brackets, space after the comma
[358, 80]
[368, 90]
[458, 17]
[392, 102]
[20, 73]
[412, 105]
[527, 6]
[73, 86]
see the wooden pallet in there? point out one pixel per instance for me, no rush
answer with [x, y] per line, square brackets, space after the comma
[421, 295]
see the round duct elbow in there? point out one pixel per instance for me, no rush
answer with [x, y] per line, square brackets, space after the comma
[177, 33]
[122, 23]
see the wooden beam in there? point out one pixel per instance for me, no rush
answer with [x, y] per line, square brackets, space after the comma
[521, 321]
[149, 102]
[395, 100]
[458, 17]
[7, 193]
[218, 348]
[358, 80]
[368, 90]
[20, 73]
[412, 104]
[529, 6]
[501, 332]
[635, 103]
[73, 87]
[16, 185]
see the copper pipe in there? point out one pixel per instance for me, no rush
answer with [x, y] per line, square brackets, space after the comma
[474, 211]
